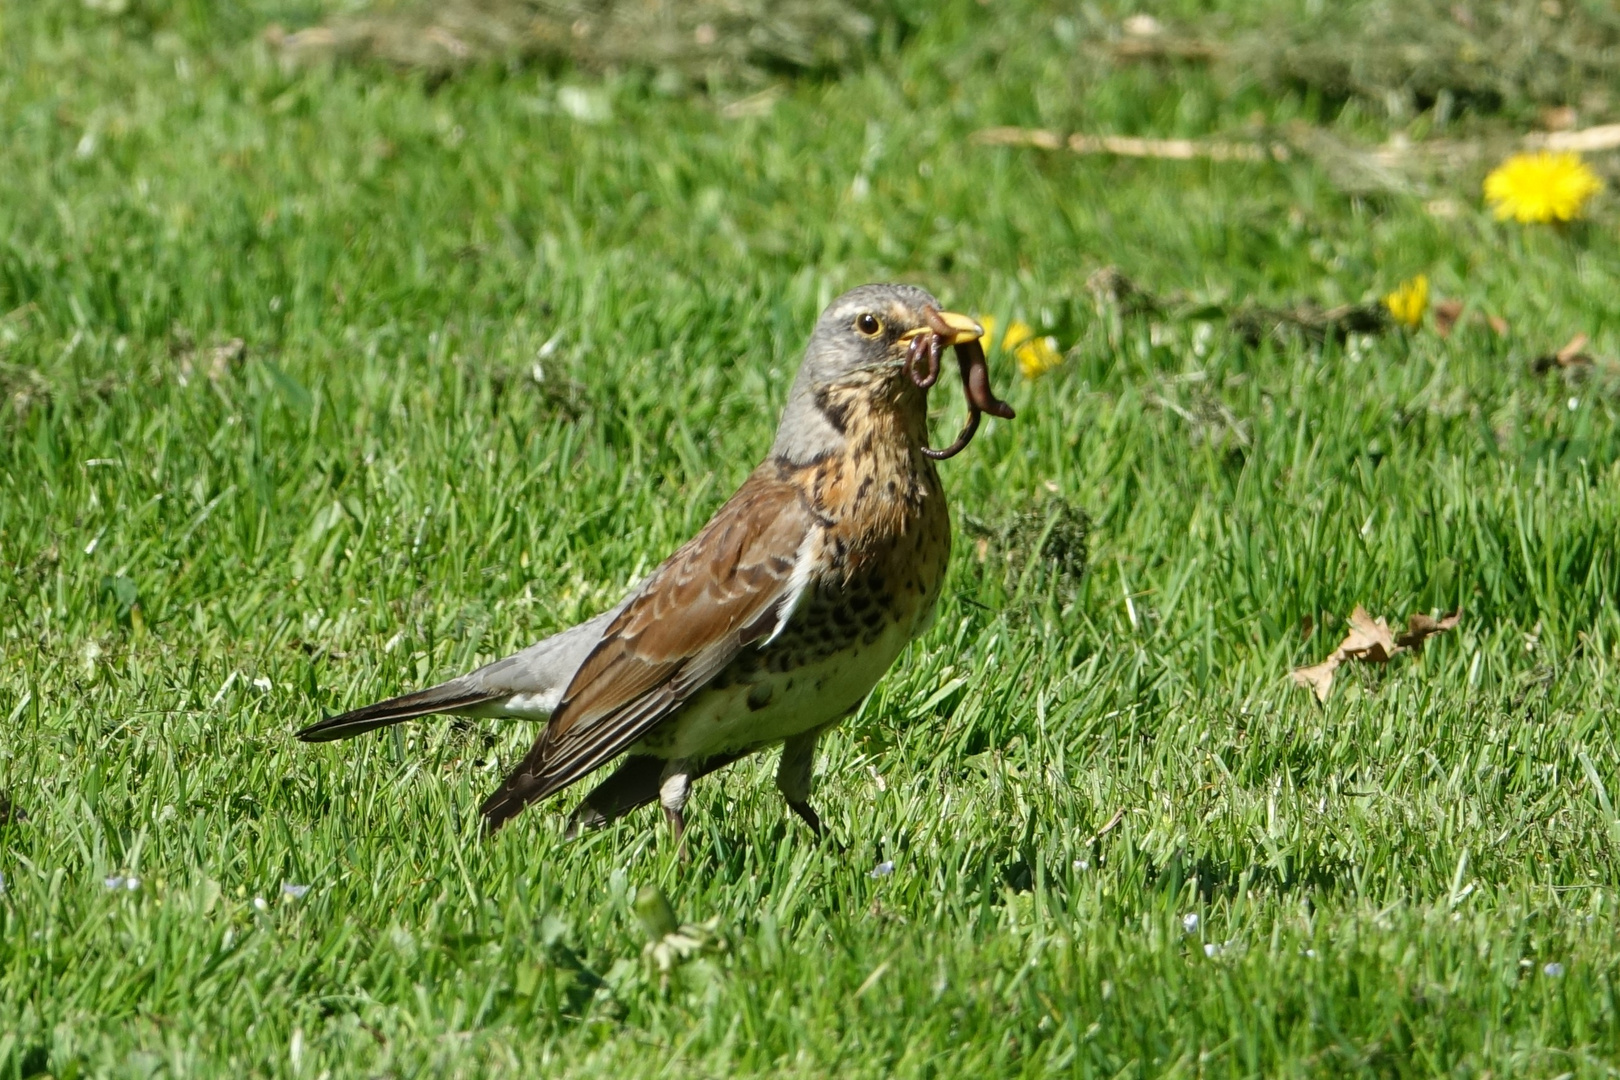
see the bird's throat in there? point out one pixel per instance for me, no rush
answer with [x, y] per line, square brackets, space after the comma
[874, 465]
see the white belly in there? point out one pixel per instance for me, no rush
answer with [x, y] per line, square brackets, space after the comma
[803, 699]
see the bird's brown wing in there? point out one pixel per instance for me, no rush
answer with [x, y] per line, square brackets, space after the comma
[724, 589]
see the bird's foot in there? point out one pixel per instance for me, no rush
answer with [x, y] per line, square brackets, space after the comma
[810, 817]
[808, 814]
[677, 831]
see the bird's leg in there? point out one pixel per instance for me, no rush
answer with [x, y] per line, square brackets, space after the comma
[674, 788]
[793, 777]
[635, 783]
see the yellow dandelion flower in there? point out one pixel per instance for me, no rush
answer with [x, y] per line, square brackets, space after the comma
[1541, 187]
[989, 324]
[1017, 333]
[1035, 355]
[1409, 301]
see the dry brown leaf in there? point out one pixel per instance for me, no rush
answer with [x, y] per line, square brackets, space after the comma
[1572, 356]
[1558, 118]
[1499, 325]
[1419, 628]
[1318, 677]
[1370, 641]
[1572, 348]
[1446, 314]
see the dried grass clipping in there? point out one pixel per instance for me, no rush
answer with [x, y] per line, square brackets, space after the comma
[700, 40]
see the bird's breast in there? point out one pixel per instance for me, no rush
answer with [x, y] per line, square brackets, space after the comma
[874, 563]
[875, 577]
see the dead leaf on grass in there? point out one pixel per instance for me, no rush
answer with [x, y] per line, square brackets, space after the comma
[215, 361]
[1446, 314]
[1420, 628]
[1371, 641]
[1570, 358]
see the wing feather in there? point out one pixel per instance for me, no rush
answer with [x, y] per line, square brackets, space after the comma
[722, 590]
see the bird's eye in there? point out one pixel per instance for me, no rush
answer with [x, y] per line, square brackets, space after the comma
[868, 324]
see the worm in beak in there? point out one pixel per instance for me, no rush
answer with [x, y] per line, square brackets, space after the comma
[922, 364]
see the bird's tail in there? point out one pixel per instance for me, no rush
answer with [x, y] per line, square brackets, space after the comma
[446, 697]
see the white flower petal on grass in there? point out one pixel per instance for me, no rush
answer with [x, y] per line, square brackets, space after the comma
[1189, 922]
[1553, 969]
[1142, 25]
[586, 106]
[113, 881]
[259, 904]
[882, 869]
[263, 683]
[1211, 949]
[132, 883]
[293, 892]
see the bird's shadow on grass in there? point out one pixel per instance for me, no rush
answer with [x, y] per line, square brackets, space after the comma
[1208, 878]
[1217, 879]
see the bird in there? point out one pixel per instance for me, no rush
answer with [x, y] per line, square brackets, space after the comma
[775, 621]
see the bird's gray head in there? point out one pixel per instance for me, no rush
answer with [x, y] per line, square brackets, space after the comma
[862, 339]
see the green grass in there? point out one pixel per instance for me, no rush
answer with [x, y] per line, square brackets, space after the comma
[378, 494]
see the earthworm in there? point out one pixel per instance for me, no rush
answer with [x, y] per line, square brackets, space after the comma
[975, 385]
[924, 347]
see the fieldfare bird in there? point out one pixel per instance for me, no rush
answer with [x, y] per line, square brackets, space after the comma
[775, 621]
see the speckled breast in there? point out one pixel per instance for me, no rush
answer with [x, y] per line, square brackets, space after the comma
[873, 595]
[880, 564]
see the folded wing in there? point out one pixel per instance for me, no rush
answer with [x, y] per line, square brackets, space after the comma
[725, 589]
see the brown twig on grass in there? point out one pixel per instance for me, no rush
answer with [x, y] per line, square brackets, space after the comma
[1396, 166]
[1251, 322]
[1131, 146]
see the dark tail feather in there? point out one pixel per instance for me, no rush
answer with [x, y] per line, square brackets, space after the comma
[446, 697]
[519, 790]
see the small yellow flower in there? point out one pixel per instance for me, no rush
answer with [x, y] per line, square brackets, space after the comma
[989, 324]
[1541, 187]
[1409, 301]
[1035, 355]
[1018, 332]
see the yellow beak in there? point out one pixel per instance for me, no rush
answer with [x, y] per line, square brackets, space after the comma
[952, 328]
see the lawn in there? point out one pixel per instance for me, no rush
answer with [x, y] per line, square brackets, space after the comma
[325, 382]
